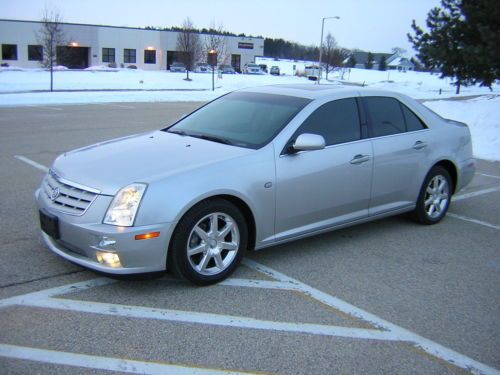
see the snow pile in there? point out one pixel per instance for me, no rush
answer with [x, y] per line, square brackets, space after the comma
[483, 117]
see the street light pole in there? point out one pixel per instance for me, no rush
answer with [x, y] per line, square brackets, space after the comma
[321, 43]
[213, 61]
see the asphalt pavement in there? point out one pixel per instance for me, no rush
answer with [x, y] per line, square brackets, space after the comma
[387, 297]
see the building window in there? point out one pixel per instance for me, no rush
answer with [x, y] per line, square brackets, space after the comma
[108, 55]
[243, 45]
[35, 53]
[149, 56]
[9, 51]
[129, 56]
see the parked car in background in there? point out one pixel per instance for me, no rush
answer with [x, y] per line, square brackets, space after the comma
[312, 72]
[177, 67]
[202, 68]
[251, 169]
[263, 67]
[227, 69]
[275, 70]
[251, 68]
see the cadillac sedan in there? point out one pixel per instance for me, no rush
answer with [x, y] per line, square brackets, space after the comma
[249, 170]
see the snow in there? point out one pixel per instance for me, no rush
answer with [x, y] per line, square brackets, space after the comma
[100, 84]
[482, 115]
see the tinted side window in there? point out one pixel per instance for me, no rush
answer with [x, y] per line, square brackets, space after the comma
[336, 121]
[386, 116]
[413, 123]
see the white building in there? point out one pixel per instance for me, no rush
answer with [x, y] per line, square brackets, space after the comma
[90, 45]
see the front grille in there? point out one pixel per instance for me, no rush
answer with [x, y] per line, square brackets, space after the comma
[64, 197]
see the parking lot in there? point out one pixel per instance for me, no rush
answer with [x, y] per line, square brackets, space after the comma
[387, 297]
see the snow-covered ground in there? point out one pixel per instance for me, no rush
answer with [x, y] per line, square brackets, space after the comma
[101, 85]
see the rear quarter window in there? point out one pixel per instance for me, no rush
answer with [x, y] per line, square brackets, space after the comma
[386, 116]
[413, 123]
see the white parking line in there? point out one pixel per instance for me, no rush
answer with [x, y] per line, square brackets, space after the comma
[140, 312]
[488, 175]
[475, 221]
[45, 107]
[103, 363]
[392, 332]
[399, 333]
[26, 299]
[473, 194]
[116, 105]
[32, 163]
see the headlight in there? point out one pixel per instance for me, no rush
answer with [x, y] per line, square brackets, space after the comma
[123, 208]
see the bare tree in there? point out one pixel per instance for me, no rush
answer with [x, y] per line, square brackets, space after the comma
[50, 36]
[189, 45]
[328, 48]
[216, 41]
[334, 55]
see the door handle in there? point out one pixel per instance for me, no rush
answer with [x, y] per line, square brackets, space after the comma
[419, 145]
[358, 159]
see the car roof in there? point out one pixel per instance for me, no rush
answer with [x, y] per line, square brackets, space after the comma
[315, 91]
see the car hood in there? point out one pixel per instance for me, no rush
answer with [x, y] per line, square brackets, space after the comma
[111, 165]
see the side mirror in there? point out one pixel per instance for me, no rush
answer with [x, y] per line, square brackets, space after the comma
[308, 142]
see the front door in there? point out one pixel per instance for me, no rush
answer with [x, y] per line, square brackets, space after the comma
[328, 187]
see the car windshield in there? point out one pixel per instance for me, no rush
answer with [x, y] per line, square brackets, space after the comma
[241, 119]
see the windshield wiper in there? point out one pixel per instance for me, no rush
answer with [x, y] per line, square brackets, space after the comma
[212, 138]
[180, 132]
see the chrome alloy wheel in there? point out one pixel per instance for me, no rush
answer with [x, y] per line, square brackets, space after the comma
[213, 243]
[436, 196]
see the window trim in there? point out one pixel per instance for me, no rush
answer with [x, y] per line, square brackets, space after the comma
[16, 57]
[129, 55]
[151, 51]
[38, 47]
[370, 120]
[363, 135]
[108, 49]
[417, 116]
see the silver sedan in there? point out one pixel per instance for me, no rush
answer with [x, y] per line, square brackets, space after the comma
[249, 170]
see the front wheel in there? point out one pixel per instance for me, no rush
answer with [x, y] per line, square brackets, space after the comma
[209, 242]
[434, 198]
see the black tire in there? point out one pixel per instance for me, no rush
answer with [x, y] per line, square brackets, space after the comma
[221, 262]
[423, 212]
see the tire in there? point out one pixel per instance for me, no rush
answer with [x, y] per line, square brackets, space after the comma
[209, 242]
[434, 198]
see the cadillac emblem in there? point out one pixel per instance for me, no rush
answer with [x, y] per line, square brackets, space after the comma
[54, 194]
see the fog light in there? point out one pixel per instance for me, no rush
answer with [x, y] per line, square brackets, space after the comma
[108, 259]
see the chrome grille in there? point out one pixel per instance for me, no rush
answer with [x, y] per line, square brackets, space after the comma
[65, 197]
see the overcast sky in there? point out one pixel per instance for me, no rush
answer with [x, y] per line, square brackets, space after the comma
[371, 25]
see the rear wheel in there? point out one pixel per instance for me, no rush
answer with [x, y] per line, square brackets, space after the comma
[434, 197]
[209, 242]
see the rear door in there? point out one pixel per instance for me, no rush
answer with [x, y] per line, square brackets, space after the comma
[323, 188]
[400, 148]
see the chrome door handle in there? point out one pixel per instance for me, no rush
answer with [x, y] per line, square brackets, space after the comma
[358, 159]
[419, 145]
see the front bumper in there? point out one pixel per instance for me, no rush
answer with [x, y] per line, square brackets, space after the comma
[82, 237]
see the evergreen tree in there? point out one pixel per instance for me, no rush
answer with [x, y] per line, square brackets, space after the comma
[369, 61]
[418, 65]
[382, 65]
[463, 41]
